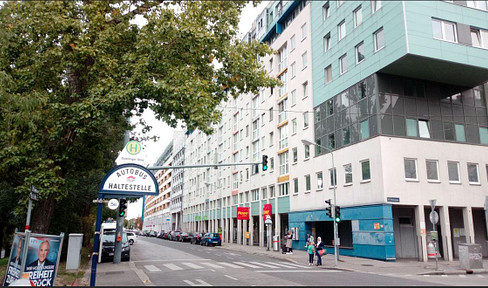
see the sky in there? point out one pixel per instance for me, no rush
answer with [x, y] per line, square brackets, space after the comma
[152, 150]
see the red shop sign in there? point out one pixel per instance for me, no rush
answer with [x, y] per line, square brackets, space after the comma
[266, 210]
[242, 213]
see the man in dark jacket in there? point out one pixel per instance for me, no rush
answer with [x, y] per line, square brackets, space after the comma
[42, 253]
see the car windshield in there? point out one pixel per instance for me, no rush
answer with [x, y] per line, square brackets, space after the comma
[109, 238]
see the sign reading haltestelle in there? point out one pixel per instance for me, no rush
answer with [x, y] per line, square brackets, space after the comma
[129, 179]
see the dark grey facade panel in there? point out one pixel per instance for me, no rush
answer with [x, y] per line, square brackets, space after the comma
[464, 34]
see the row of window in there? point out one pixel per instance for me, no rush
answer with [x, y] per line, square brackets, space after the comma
[447, 31]
[432, 169]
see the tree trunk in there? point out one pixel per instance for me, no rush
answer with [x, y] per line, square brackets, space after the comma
[41, 215]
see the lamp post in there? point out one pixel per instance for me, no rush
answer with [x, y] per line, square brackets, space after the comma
[336, 254]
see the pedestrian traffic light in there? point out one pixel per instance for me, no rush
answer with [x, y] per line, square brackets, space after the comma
[122, 207]
[328, 209]
[337, 214]
[265, 162]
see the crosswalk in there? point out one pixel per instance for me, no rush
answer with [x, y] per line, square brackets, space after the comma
[221, 265]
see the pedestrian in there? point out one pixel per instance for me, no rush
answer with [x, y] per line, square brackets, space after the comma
[319, 246]
[311, 251]
[307, 242]
[289, 246]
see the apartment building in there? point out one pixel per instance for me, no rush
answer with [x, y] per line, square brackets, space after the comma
[392, 94]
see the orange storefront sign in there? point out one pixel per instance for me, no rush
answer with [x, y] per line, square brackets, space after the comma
[266, 210]
[242, 213]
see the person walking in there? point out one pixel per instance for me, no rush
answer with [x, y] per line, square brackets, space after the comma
[319, 246]
[311, 251]
[289, 246]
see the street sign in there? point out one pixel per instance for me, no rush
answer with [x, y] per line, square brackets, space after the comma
[432, 204]
[129, 179]
[434, 217]
[268, 220]
[113, 204]
[34, 193]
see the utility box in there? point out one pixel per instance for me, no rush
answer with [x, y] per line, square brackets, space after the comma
[276, 243]
[74, 251]
[470, 256]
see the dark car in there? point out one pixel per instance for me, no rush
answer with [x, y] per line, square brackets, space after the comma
[108, 246]
[160, 235]
[197, 237]
[184, 237]
[165, 235]
[211, 239]
[175, 235]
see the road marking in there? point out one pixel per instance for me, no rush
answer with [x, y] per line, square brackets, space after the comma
[480, 276]
[231, 277]
[247, 265]
[203, 283]
[426, 275]
[172, 260]
[279, 264]
[173, 266]
[212, 265]
[265, 265]
[462, 276]
[191, 265]
[301, 271]
[152, 268]
[443, 275]
[230, 265]
[298, 265]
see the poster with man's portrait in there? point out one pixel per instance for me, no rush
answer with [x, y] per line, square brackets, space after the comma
[15, 261]
[42, 258]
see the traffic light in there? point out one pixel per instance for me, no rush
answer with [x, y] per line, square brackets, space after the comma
[337, 214]
[328, 209]
[265, 162]
[122, 207]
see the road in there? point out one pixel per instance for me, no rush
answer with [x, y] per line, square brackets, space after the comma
[172, 263]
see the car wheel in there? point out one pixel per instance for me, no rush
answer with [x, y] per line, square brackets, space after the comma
[131, 241]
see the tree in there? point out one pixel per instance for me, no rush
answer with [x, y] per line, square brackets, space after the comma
[72, 72]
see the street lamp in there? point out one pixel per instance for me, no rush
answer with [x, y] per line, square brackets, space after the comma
[307, 142]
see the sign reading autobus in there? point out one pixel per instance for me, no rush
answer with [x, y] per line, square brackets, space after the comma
[129, 179]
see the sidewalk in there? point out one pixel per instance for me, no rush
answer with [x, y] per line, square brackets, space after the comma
[357, 264]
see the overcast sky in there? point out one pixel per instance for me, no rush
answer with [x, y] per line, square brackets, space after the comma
[152, 150]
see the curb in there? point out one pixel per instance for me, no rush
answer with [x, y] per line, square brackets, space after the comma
[456, 272]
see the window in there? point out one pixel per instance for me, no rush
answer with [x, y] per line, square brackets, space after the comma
[346, 136]
[295, 155]
[283, 163]
[271, 140]
[262, 119]
[295, 185]
[283, 189]
[444, 30]
[432, 170]
[271, 163]
[317, 114]
[255, 195]
[416, 128]
[359, 52]
[343, 64]
[284, 78]
[305, 89]
[308, 184]
[327, 42]
[306, 150]
[483, 135]
[473, 175]
[320, 180]
[410, 169]
[270, 114]
[479, 38]
[376, 4]
[326, 11]
[379, 41]
[292, 43]
[347, 174]
[333, 177]
[364, 129]
[341, 29]
[283, 137]
[304, 60]
[331, 141]
[271, 191]
[264, 192]
[305, 120]
[460, 136]
[294, 126]
[329, 107]
[304, 31]
[283, 58]
[453, 171]
[293, 68]
[282, 107]
[365, 171]
[358, 16]
[328, 74]
[293, 97]
[477, 4]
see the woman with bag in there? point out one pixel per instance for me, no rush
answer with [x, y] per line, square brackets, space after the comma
[319, 250]
[289, 244]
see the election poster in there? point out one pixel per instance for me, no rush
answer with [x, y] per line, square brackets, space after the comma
[14, 267]
[43, 252]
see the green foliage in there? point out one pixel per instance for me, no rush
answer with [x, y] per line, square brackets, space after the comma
[71, 72]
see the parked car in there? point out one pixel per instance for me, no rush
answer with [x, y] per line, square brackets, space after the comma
[211, 239]
[108, 246]
[160, 235]
[197, 237]
[153, 233]
[184, 237]
[132, 237]
[175, 235]
[165, 235]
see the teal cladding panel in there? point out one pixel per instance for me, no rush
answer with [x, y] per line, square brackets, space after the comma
[255, 208]
[284, 204]
[390, 17]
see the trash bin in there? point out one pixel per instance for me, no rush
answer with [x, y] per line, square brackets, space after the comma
[74, 251]
[276, 243]
[470, 256]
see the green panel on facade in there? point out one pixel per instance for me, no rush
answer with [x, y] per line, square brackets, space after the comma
[284, 204]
